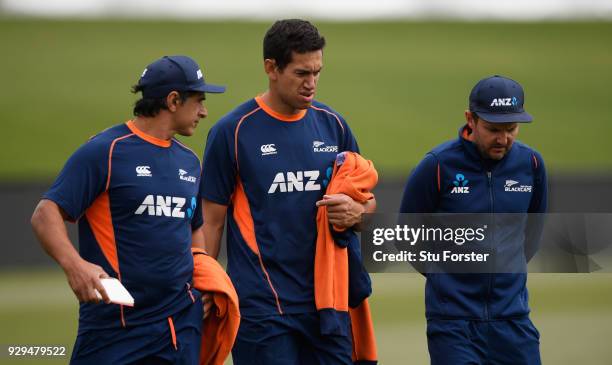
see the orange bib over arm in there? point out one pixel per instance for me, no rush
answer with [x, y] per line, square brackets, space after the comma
[221, 326]
[356, 177]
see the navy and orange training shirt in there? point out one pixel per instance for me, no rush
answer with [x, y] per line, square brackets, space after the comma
[270, 170]
[136, 201]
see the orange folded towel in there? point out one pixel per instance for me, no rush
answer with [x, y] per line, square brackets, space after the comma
[356, 177]
[220, 328]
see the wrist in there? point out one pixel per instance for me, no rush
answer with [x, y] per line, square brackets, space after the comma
[71, 264]
[362, 208]
[359, 209]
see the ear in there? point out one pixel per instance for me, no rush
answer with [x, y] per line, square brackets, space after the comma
[271, 69]
[173, 100]
[469, 118]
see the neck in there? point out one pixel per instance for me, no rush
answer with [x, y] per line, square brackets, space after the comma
[158, 127]
[273, 100]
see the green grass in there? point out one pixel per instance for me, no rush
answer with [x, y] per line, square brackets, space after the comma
[572, 312]
[402, 86]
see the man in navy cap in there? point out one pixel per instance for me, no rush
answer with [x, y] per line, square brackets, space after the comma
[476, 318]
[133, 188]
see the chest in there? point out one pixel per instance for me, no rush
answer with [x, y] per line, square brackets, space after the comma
[279, 158]
[473, 189]
[147, 180]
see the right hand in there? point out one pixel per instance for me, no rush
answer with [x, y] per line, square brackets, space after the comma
[84, 279]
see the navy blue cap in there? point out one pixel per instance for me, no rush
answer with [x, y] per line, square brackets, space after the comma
[498, 99]
[174, 73]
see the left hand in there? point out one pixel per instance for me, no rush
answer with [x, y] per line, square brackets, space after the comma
[342, 211]
[207, 304]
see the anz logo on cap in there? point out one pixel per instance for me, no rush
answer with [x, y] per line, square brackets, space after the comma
[199, 73]
[504, 102]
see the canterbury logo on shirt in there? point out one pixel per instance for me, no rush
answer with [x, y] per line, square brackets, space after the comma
[294, 181]
[143, 171]
[268, 149]
[159, 205]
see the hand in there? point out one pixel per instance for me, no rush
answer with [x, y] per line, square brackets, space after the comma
[84, 279]
[342, 211]
[208, 304]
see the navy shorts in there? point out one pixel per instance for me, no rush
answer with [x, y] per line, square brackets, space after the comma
[499, 342]
[289, 339]
[168, 341]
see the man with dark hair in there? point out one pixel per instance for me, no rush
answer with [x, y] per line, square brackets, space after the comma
[475, 318]
[133, 188]
[266, 166]
[288, 36]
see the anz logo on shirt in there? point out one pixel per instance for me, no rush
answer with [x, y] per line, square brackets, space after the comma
[460, 185]
[166, 206]
[286, 182]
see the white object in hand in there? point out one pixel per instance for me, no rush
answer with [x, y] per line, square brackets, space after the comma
[116, 292]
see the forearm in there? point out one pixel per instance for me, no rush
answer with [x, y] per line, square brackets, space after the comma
[197, 238]
[83, 277]
[212, 239]
[214, 221]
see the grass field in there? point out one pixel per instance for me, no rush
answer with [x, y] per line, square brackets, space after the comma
[402, 86]
[572, 312]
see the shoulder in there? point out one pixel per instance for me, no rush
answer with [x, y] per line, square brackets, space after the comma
[323, 111]
[524, 151]
[99, 145]
[231, 120]
[525, 148]
[188, 152]
[447, 148]
[110, 134]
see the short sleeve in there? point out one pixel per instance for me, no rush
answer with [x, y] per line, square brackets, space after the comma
[81, 180]
[219, 167]
[349, 142]
[197, 220]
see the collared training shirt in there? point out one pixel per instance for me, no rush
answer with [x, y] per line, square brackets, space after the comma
[270, 170]
[135, 198]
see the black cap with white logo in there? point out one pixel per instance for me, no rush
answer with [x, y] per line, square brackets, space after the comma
[498, 99]
[174, 73]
